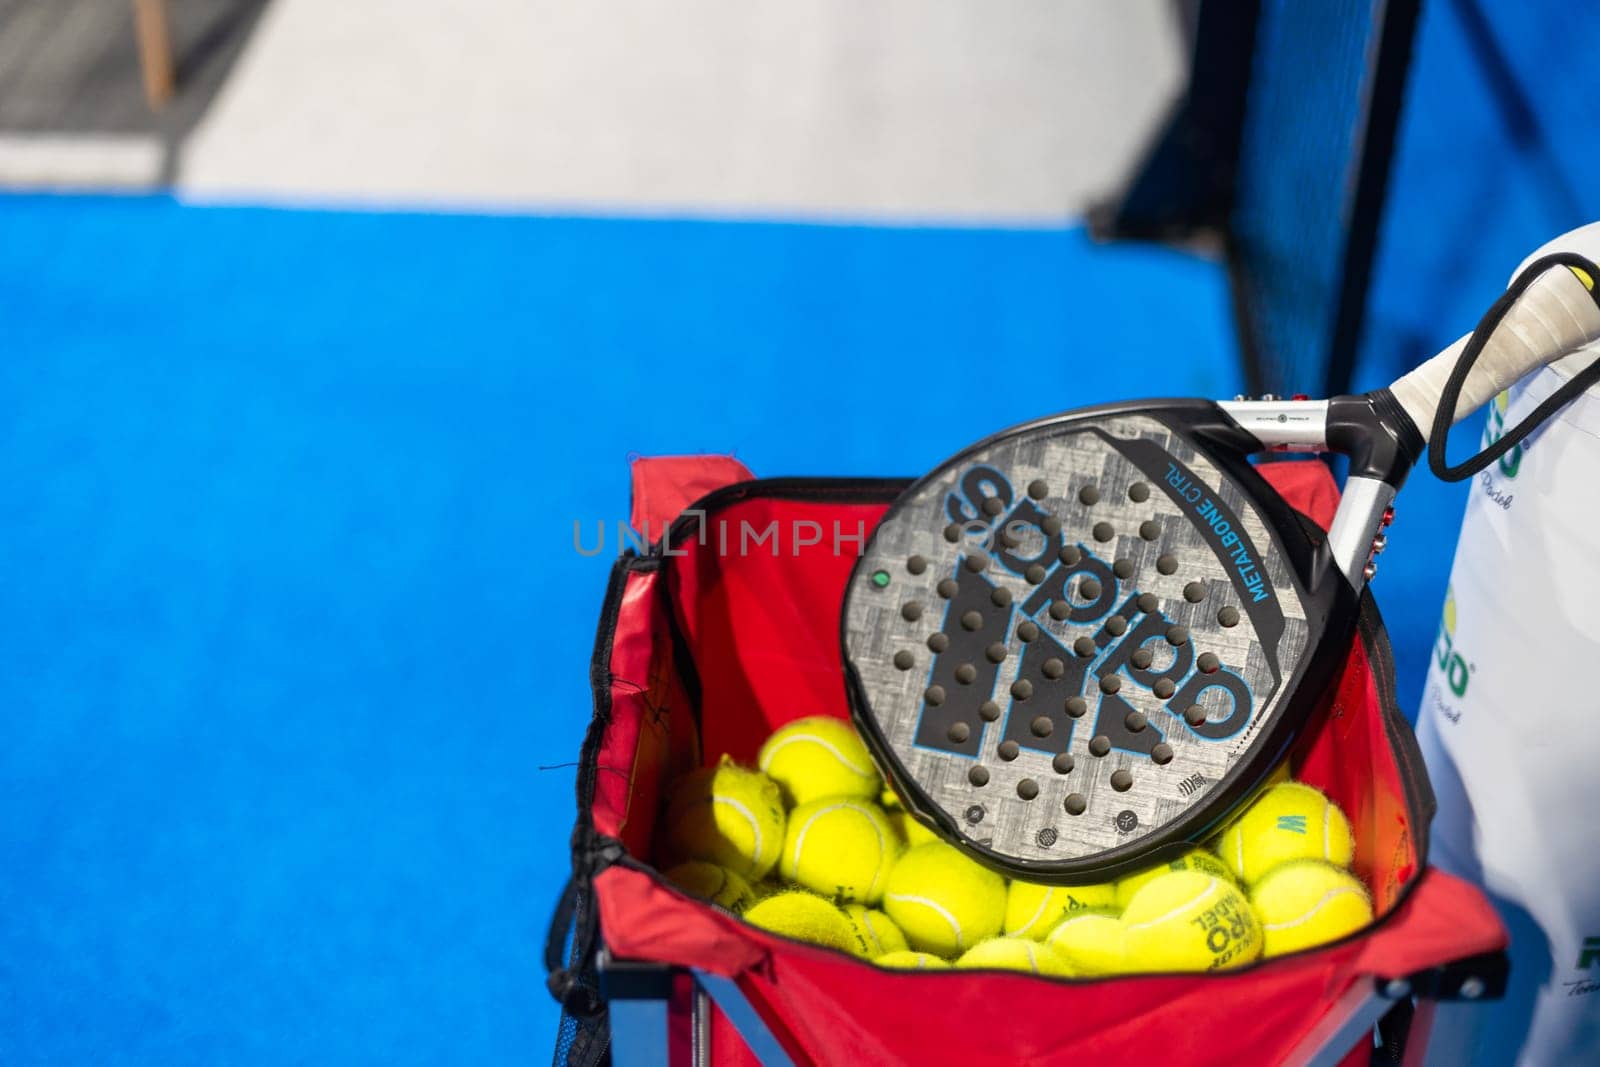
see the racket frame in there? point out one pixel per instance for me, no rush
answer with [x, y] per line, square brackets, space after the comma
[1226, 434]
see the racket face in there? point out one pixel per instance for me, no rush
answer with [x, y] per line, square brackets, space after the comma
[1077, 645]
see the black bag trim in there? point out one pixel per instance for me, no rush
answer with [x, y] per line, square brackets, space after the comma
[1420, 801]
[824, 490]
[573, 981]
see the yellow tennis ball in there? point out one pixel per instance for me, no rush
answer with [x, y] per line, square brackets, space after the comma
[727, 815]
[876, 934]
[1307, 903]
[912, 961]
[1279, 775]
[841, 848]
[1034, 910]
[1194, 860]
[911, 832]
[819, 757]
[806, 917]
[1291, 821]
[770, 886]
[1091, 943]
[1190, 921]
[943, 901]
[717, 884]
[1015, 954]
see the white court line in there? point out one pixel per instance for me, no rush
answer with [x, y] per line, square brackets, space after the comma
[80, 161]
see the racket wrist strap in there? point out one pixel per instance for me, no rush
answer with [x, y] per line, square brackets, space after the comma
[1483, 337]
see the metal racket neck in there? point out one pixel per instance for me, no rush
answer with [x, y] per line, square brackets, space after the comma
[1382, 443]
[1282, 425]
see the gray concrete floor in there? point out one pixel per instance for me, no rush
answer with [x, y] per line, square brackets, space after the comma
[72, 104]
[72, 66]
[905, 110]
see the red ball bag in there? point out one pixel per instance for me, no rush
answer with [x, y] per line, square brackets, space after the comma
[726, 628]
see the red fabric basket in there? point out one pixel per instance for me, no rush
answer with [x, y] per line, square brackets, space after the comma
[703, 651]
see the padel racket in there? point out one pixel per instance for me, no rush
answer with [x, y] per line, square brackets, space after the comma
[1075, 647]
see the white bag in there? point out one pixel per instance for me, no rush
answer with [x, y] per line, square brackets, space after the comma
[1510, 729]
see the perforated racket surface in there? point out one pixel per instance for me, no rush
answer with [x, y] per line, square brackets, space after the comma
[1076, 644]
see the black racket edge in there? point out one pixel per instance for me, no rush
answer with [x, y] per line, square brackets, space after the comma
[1321, 588]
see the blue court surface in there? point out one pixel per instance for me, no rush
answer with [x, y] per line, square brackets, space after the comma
[296, 635]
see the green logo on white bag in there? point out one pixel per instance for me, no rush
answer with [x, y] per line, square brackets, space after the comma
[1456, 672]
[1494, 428]
[1588, 957]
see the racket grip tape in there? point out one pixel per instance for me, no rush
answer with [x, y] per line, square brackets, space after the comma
[1557, 312]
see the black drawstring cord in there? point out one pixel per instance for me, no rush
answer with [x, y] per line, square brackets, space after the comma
[1444, 415]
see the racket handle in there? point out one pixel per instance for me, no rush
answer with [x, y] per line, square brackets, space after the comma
[1556, 314]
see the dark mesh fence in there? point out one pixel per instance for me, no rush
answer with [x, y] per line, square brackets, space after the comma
[1280, 152]
[1295, 182]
